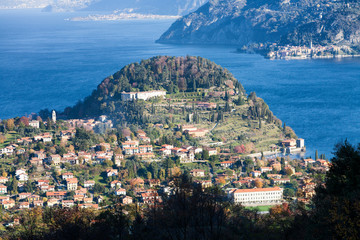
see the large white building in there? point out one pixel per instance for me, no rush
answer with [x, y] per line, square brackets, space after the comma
[34, 123]
[300, 143]
[126, 96]
[257, 196]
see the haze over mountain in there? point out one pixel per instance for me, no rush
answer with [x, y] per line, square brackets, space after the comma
[294, 22]
[162, 7]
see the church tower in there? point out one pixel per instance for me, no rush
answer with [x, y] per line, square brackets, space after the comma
[53, 116]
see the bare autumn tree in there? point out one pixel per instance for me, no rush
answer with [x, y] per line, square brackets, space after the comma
[10, 124]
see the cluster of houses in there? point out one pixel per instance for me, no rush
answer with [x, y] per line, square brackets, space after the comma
[267, 173]
[70, 191]
[91, 124]
[303, 52]
[97, 154]
[81, 194]
[133, 148]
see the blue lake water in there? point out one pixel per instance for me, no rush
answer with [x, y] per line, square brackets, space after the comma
[47, 62]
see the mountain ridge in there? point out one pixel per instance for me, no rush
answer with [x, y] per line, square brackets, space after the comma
[243, 22]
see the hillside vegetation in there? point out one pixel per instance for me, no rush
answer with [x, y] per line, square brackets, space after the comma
[199, 92]
[174, 74]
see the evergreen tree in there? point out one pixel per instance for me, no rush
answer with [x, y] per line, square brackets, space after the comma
[219, 117]
[226, 96]
[227, 107]
[14, 186]
[153, 109]
[316, 155]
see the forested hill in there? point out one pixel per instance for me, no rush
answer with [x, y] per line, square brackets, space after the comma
[173, 74]
[295, 22]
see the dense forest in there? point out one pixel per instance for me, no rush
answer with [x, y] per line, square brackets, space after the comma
[190, 213]
[173, 74]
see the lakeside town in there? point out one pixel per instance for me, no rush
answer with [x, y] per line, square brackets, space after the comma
[56, 163]
[311, 52]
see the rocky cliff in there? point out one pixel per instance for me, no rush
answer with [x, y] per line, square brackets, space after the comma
[294, 22]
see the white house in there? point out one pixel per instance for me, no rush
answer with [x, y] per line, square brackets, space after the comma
[256, 173]
[22, 177]
[34, 123]
[266, 169]
[89, 184]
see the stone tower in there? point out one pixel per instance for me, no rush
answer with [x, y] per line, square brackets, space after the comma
[53, 116]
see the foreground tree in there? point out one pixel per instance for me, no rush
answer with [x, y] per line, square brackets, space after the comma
[337, 203]
[336, 208]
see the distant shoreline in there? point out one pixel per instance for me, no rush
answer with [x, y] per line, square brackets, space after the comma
[315, 57]
[121, 16]
[290, 52]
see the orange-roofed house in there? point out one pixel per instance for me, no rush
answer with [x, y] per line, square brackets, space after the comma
[266, 169]
[7, 204]
[145, 148]
[115, 184]
[89, 205]
[289, 143]
[139, 182]
[4, 179]
[24, 205]
[71, 184]
[130, 144]
[3, 189]
[276, 166]
[58, 195]
[67, 175]
[308, 161]
[120, 191]
[144, 156]
[127, 200]
[227, 164]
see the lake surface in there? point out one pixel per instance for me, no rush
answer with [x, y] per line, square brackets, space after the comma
[47, 62]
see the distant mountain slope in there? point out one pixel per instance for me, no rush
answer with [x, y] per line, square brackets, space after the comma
[293, 22]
